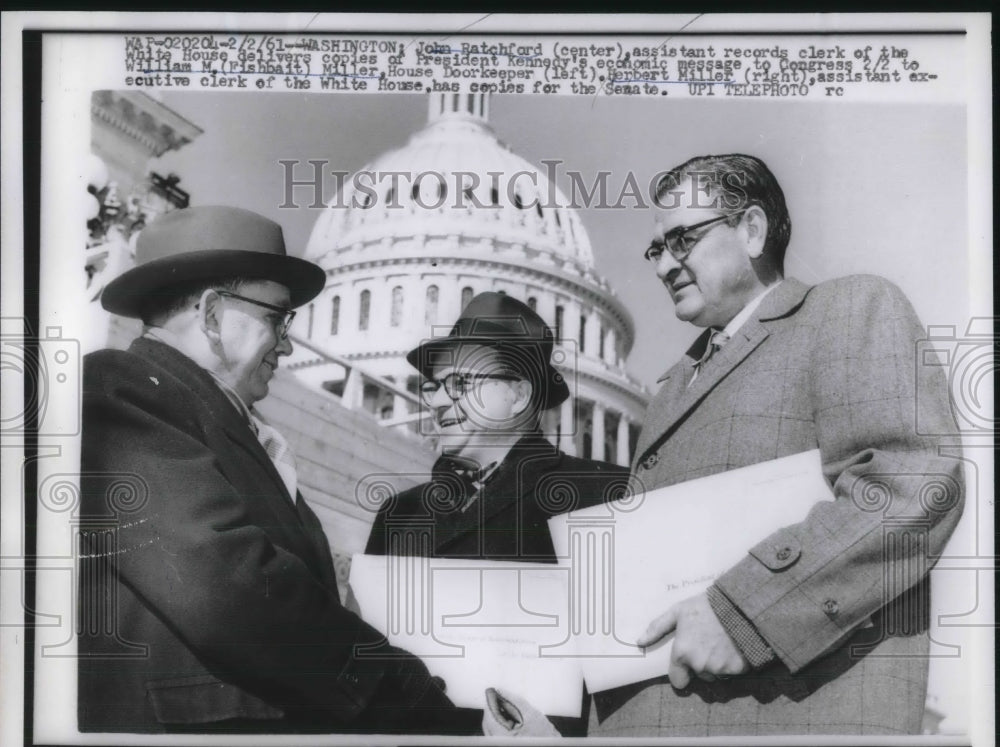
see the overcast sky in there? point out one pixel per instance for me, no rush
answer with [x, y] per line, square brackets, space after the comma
[871, 188]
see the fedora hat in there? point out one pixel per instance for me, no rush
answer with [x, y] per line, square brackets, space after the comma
[201, 244]
[504, 323]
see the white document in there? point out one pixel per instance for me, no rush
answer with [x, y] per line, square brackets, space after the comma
[630, 560]
[477, 624]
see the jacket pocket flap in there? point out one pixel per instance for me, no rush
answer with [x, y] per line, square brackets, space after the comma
[778, 552]
[204, 699]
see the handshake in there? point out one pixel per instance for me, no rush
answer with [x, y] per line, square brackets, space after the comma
[413, 701]
[510, 716]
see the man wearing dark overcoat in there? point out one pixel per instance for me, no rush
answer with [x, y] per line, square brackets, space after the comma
[208, 595]
[498, 480]
[822, 627]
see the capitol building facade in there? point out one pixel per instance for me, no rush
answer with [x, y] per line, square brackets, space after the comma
[421, 230]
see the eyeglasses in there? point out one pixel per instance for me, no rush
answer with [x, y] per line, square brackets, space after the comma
[456, 384]
[280, 325]
[676, 241]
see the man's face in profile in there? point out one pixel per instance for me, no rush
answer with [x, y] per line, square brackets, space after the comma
[477, 397]
[715, 280]
[250, 339]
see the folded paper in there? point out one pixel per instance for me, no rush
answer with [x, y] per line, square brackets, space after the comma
[540, 630]
[476, 624]
[631, 559]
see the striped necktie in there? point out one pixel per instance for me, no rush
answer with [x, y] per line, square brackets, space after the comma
[716, 340]
[278, 451]
[471, 478]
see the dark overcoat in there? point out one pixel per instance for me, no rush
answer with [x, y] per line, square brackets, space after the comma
[508, 519]
[208, 597]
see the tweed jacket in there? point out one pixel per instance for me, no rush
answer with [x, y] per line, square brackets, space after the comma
[841, 598]
[507, 521]
[207, 595]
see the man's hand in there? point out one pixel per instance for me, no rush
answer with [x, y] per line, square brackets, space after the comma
[701, 645]
[507, 715]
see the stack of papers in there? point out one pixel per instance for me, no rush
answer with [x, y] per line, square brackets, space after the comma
[539, 630]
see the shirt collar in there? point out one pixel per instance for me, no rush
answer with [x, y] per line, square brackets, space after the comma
[747, 311]
[163, 335]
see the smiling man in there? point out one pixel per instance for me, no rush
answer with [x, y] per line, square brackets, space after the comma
[487, 384]
[822, 627]
[207, 586]
[498, 480]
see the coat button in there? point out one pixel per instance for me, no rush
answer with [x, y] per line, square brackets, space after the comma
[439, 683]
[831, 608]
[352, 678]
[784, 553]
[650, 461]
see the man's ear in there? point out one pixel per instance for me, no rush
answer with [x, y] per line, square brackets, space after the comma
[210, 314]
[524, 389]
[755, 223]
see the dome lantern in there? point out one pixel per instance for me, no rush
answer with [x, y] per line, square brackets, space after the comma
[458, 105]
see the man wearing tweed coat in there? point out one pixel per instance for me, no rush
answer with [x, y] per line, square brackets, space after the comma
[822, 627]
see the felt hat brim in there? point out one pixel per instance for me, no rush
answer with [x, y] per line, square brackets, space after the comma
[530, 354]
[129, 292]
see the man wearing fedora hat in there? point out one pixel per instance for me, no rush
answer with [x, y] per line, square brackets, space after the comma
[208, 596]
[498, 480]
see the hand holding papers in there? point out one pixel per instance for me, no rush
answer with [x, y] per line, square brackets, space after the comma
[631, 560]
[538, 630]
[509, 716]
[701, 646]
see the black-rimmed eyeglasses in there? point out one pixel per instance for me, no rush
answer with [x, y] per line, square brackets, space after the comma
[678, 243]
[281, 325]
[456, 384]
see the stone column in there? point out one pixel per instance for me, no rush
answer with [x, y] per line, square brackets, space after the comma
[414, 296]
[450, 304]
[354, 390]
[400, 407]
[623, 449]
[566, 439]
[547, 302]
[593, 334]
[571, 325]
[611, 347]
[597, 433]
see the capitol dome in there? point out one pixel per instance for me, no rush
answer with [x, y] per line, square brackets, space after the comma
[452, 175]
[414, 235]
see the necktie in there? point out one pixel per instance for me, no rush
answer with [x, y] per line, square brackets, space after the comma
[268, 437]
[342, 568]
[278, 451]
[716, 340]
[471, 477]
